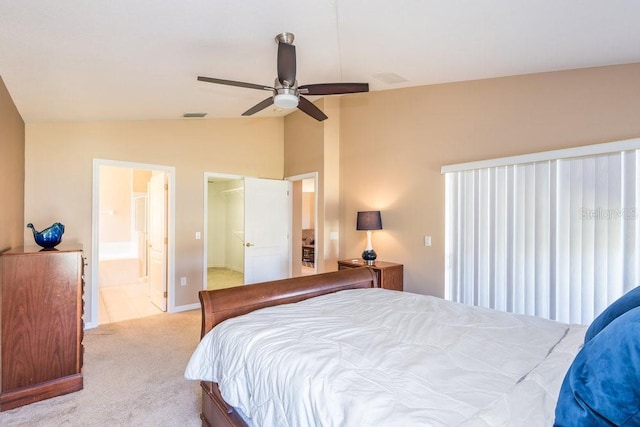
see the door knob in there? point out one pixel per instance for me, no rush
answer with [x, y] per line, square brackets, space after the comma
[249, 245]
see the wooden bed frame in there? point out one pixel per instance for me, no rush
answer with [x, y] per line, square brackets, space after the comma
[219, 305]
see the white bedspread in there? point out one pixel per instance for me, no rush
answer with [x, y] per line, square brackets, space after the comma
[373, 357]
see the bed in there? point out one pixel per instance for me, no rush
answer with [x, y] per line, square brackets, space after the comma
[334, 349]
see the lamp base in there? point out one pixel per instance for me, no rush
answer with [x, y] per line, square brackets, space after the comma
[369, 257]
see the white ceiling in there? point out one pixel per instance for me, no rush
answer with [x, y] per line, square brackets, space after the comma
[138, 59]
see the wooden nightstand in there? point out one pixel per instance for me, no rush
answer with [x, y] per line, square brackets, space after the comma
[389, 273]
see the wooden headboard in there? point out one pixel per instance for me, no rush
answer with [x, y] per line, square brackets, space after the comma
[222, 304]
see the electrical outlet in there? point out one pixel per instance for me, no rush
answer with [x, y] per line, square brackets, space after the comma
[183, 281]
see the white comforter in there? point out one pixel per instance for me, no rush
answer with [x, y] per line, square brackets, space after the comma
[373, 357]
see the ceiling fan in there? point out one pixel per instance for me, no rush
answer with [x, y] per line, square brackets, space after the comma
[285, 91]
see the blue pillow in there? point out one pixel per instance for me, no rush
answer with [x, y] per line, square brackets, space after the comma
[620, 306]
[602, 385]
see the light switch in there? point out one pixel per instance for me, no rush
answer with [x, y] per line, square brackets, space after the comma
[197, 235]
[427, 240]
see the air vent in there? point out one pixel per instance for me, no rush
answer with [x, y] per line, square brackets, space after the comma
[192, 115]
[390, 78]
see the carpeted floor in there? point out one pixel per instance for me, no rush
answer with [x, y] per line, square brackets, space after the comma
[220, 278]
[133, 376]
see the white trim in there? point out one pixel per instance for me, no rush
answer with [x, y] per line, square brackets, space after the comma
[587, 150]
[302, 176]
[171, 172]
[187, 307]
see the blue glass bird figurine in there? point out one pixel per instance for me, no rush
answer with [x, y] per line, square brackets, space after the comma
[49, 237]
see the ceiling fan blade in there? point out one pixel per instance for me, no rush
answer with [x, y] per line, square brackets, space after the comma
[259, 106]
[234, 83]
[286, 64]
[309, 107]
[333, 88]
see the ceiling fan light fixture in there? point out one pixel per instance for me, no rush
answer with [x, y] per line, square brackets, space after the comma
[285, 90]
[285, 100]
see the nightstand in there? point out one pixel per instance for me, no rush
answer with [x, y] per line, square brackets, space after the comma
[389, 273]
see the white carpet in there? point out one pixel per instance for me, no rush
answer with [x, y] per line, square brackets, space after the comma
[133, 376]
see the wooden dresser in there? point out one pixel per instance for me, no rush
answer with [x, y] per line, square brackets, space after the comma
[41, 313]
[390, 274]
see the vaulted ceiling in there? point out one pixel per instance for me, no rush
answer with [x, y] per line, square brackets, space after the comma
[71, 60]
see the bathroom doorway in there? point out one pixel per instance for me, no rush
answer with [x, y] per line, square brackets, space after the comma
[131, 232]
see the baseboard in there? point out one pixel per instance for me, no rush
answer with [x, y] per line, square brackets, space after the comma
[90, 325]
[188, 307]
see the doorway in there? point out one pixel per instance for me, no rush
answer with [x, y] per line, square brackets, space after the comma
[225, 232]
[304, 216]
[246, 230]
[130, 241]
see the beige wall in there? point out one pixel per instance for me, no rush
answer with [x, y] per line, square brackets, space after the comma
[308, 214]
[59, 156]
[331, 184]
[114, 204]
[12, 224]
[312, 146]
[141, 179]
[393, 144]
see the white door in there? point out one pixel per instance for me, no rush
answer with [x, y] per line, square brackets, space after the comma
[266, 230]
[158, 240]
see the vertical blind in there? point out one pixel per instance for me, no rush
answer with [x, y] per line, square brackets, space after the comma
[557, 238]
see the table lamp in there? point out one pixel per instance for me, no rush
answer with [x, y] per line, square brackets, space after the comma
[369, 220]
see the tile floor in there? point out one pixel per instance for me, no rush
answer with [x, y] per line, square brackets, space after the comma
[124, 302]
[130, 301]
